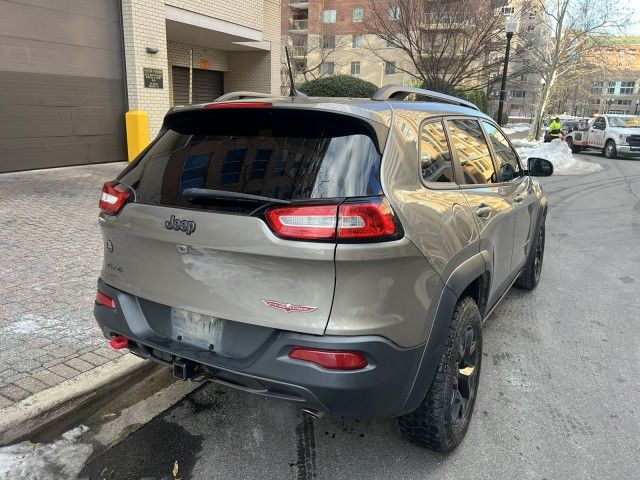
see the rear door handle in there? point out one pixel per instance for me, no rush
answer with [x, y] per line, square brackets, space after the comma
[520, 198]
[483, 210]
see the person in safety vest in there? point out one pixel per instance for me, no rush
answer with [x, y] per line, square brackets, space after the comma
[555, 130]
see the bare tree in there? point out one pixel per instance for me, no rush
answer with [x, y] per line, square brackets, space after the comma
[309, 52]
[449, 45]
[570, 31]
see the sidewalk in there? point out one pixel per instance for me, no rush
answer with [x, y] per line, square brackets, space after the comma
[50, 258]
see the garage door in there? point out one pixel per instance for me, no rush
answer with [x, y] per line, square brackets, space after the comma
[62, 92]
[207, 85]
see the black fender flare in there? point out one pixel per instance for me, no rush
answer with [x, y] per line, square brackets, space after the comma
[453, 288]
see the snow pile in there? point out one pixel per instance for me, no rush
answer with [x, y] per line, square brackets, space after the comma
[60, 460]
[558, 153]
[512, 128]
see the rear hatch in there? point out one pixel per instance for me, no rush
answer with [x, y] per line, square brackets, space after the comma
[194, 233]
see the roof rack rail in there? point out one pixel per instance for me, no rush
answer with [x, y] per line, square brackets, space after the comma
[399, 92]
[240, 95]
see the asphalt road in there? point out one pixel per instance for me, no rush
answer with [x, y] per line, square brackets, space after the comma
[559, 392]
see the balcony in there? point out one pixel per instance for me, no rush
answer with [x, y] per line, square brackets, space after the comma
[299, 26]
[445, 23]
[299, 4]
[298, 52]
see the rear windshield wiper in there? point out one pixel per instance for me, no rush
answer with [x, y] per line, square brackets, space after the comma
[194, 194]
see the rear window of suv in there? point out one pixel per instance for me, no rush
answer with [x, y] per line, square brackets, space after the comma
[288, 154]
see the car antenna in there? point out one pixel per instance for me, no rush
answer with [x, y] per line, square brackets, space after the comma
[292, 89]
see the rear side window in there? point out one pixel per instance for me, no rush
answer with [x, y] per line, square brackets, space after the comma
[472, 151]
[435, 157]
[275, 153]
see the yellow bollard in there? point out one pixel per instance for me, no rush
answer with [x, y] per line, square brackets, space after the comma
[137, 122]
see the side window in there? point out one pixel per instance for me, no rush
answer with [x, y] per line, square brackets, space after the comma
[507, 159]
[599, 124]
[435, 157]
[472, 151]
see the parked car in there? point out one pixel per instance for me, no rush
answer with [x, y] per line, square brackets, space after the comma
[338, 253]
[614, 135]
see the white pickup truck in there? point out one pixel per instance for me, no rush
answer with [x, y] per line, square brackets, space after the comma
[612, 134]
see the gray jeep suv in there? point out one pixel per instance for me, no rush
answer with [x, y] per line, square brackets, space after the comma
[337, 253]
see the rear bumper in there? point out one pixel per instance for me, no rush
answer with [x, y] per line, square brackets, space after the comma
[385, 388]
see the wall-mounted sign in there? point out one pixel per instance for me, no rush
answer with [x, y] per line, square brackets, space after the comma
[204, 63]
[152, 78]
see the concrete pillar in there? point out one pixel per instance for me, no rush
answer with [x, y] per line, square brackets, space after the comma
[144, 27]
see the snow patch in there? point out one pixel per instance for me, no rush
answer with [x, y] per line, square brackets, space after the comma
[29, 324]
[558, 153]
[60, 460]
[512, 128]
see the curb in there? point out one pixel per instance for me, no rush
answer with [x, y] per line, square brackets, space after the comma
[20, 419]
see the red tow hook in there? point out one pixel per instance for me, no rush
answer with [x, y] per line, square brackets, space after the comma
[119, 342]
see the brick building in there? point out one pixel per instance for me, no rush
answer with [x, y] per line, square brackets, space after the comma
[615, 88]
[329, 37]
[70, 69]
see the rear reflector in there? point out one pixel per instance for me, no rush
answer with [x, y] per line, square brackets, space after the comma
[370, 220]
[113, 198]
[104, 299]
[313, 222]
[330, 359]
[216, 106]
[119, 342]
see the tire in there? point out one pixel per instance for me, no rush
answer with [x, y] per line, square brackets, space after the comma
[442, 419]
[532, 270]
[610, 150]
[574, 148]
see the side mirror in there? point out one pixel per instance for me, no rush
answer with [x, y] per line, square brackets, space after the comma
[539, 167]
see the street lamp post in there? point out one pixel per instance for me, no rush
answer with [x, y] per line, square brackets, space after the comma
[510, 28]
[637, 106]
[609, 103]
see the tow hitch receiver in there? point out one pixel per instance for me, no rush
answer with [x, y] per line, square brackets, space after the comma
[184, 369]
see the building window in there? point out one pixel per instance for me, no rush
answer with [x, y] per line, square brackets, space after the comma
[328, 41]
[611, 88]
[389, 68]
[517, 93]
[358, 14]
[394, 12]
[232, 166]
[532, 15]
[623, 102]
[508, 10]
[259, 166]
[329, 16]
[627, 88]
[355, 68]
[596, 88]
[356, 41]
[327, 68]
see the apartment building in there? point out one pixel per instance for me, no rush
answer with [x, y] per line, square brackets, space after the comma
[70, 69]
[615, 88]
[328, 37]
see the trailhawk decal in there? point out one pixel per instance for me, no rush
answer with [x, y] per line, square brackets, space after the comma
[287, 307]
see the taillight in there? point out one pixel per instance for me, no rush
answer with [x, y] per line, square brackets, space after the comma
[311, 222]
[114, 196]
[331, 359]
[370, 220]
[104, 299]
[216, 106]
[366, 221]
